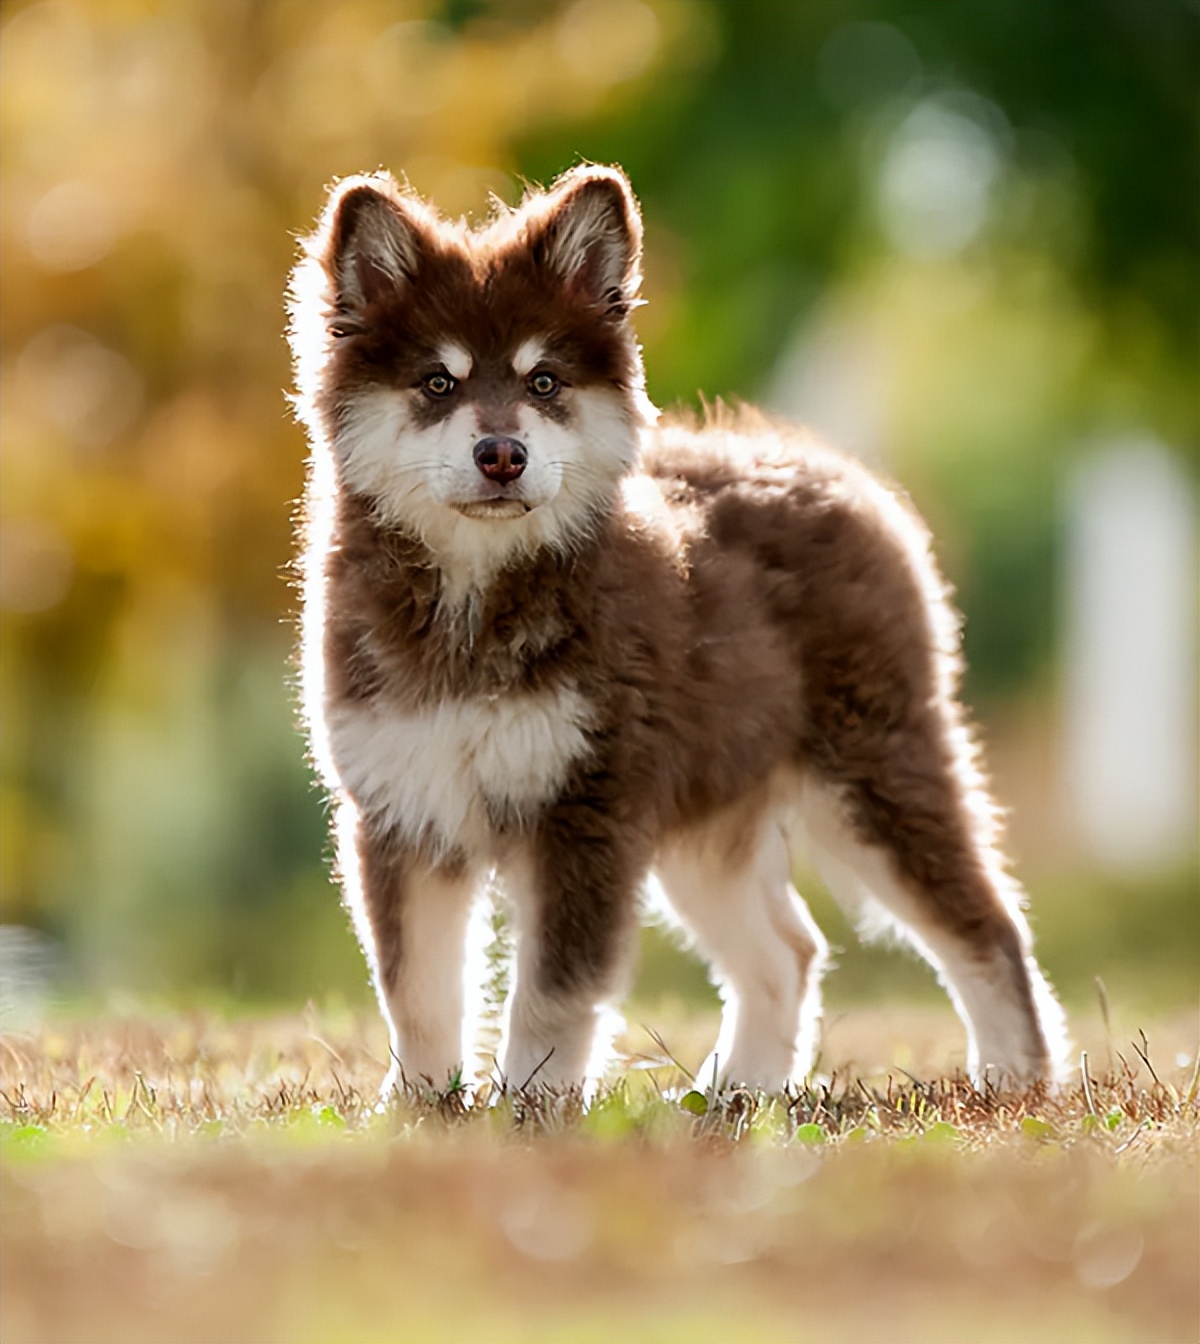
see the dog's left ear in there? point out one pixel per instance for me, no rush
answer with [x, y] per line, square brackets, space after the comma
[588, 229]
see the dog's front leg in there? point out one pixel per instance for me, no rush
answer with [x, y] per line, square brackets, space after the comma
[411, 916]
[574, 896]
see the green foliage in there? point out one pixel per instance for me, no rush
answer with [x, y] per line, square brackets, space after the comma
[695, 1103]
[1034, 1128]
[156, 815]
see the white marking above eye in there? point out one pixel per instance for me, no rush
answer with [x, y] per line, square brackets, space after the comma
[528, 355]
[458, 363]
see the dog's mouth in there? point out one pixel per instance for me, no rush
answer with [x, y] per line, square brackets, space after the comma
[498, 508]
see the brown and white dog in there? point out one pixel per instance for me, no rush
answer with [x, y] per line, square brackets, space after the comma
[546, 639]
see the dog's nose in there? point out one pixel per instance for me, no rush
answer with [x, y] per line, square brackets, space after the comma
[500, 458]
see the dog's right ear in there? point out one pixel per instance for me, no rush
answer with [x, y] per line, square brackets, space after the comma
[375, 239]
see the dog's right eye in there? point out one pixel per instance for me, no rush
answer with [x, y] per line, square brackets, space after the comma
[438, 385]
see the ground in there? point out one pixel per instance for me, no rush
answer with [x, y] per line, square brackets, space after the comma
[204, 1177]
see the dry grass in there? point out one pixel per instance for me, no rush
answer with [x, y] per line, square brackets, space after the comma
[191, 1179]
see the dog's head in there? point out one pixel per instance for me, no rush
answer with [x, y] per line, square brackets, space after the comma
[483, 388]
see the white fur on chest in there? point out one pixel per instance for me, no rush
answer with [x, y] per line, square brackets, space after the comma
[438, 774]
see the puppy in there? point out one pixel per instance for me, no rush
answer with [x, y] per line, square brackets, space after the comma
[548, 638]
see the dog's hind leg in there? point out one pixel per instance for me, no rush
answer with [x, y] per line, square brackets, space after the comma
[913, 844]
[897, 806]
[730, 886]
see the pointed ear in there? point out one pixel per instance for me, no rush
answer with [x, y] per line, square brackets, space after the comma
[588, 229]
[375, 238]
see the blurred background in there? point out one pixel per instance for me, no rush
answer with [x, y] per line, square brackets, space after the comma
[959, 239]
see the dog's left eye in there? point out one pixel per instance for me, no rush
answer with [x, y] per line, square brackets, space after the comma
[543, 384]
[438, 385]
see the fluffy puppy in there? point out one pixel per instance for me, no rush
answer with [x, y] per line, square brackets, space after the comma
[547, 638]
